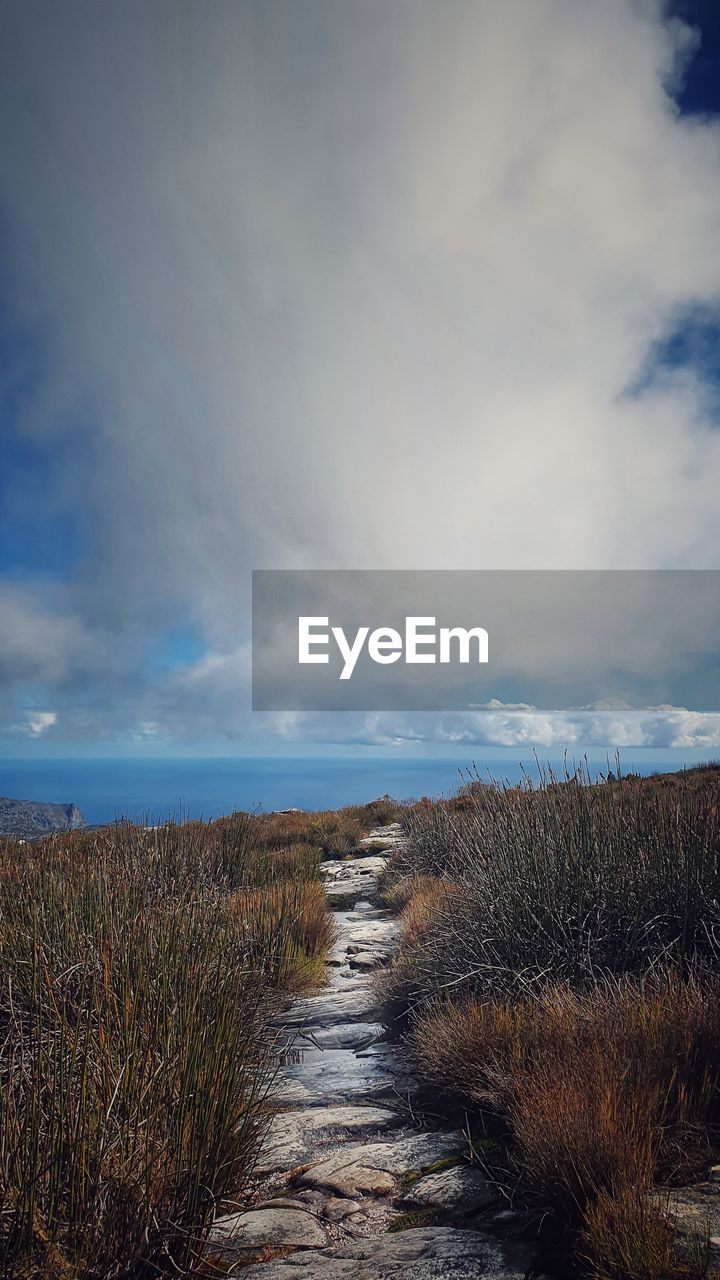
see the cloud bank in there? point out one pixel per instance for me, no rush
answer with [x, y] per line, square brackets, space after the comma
[660, 728]
[353, 286]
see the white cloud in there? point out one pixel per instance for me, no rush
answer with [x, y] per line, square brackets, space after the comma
[351, 285]
[660, 727]
[38, 722]
[40, 638]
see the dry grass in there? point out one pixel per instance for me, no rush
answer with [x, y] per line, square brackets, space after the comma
[330, 832]
[567, 882]
[626, 1237]
[558, 970]
[602, 1092]
[288, 930]
[380, 812]
[139, 973]
[429, 899]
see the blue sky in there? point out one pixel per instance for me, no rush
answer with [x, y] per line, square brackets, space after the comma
[700, 91]
[341, 286]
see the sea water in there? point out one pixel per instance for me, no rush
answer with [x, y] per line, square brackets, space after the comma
[155, 789]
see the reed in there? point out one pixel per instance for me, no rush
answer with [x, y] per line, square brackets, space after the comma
[559, 976]
[567, 882]
[139, 975]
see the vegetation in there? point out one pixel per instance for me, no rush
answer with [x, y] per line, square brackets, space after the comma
[558, 981]
[140, 971]
[332, 831]
[559, 977]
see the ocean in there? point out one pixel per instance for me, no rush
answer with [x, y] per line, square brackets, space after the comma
[153, 789]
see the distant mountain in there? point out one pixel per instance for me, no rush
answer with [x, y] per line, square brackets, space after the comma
[31, 819]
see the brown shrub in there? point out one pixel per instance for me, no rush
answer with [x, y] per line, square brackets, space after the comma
[427, 897]
[567, 882]
[288, 928]
[135, 1056]
[381, 812]
[626, 1237]
[315, 924]
[395, 889]
[603, 1093]
[298, 861]
[330, 831]
[421, 900]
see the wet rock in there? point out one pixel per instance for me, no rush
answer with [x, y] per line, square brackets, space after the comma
[283, 1227]
[335, 1059]
[457, 1190]
[512, 1222]
[346, 870]
[332, 1076]
[315, 1198]
[368, 931]
[295, 1137]
[355, 1225]
[350, 892]
[350, 881]
[332, 1007]
[286, 1202]
[383, 838]
[350, 1035]
[345, 979]
[352, 1171]
[382, 1058]
[431, 1252]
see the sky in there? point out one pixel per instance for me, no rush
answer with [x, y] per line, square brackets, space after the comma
[428, 284]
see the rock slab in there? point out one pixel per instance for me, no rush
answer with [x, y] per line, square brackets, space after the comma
[295, 1137]
[375, 1166]
[280, 1225]
[433, 1253]
[457, 1190]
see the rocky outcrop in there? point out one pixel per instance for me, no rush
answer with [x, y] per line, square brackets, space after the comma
[281, 1224]
[30, 819]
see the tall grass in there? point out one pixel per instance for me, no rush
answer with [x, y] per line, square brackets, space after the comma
[559, 970]
[139, 973]
[328, 831]
[567, 882]
[602, 1095]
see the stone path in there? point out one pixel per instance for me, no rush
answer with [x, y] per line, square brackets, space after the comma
[351, 1186]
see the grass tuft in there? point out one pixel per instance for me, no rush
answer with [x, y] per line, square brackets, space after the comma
[417, 1218]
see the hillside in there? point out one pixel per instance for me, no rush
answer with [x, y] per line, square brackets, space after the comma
[30, 819]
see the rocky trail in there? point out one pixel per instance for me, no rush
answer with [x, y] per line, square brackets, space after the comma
[351, 1183]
